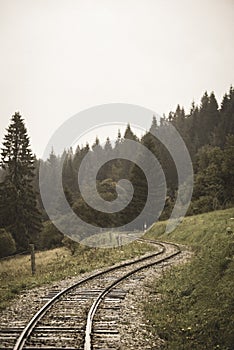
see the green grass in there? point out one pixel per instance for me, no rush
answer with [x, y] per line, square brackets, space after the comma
[196, 307]
[56, 264]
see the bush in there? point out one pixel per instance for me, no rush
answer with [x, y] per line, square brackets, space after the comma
[7, 244]
[50, 237]
[203, 205]
[70, 244]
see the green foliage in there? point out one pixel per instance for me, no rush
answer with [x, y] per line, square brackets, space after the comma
[7, 243]
[195, 309]
[207, 130]
[71, 245]
[204, 204]
[208, 133]
[18, 204]
[49, 237]
[107, 189]
[214, 179]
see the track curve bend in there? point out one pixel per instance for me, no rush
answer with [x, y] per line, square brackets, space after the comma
[66, 321]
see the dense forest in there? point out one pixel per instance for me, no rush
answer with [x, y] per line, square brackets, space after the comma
[207, 130]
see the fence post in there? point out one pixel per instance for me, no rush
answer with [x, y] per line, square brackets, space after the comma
[33, 264]
[119, 241]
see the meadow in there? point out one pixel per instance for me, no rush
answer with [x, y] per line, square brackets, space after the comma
[195, 301]
[191, 307]
[59, 263]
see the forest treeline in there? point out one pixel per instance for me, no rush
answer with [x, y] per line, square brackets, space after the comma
[207, 130]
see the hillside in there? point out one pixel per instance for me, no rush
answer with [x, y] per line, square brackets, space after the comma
[196, 303]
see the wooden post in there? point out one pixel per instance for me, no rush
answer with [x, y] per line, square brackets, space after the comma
[110, 237]
[119, 241]
[33, 264]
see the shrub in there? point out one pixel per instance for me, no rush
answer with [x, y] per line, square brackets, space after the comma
[202, 205]
[50, 237]
[7, 243]
[70, 244]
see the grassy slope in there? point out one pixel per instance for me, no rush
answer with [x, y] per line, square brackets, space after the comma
[56, 264]
[196, 310]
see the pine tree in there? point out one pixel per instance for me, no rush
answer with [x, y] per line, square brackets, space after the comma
[69, 178]
[208, 118]
[108, 146]
[18, 205]
[154, 125]
[129, 134]
[106, 170]
[226, 125]
[124, 149]
[119, 139]
[49, 180]
[118, 163]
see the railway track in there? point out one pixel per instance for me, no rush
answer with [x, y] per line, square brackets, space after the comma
[85, 315]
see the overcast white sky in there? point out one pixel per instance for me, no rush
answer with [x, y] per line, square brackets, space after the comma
[59, 57]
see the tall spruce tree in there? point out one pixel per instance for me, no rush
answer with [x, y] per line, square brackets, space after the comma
[18, 205]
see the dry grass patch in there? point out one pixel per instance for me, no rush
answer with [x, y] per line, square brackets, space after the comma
[56, 264]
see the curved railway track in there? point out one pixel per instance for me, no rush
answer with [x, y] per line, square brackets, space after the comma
[85, 315]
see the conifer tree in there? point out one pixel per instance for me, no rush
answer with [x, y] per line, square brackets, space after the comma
[18, 205]
[154, 125]
[208, 118]
[129, 134]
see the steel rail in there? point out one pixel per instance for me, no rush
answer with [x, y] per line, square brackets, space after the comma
[94, 307]
[45, 308]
